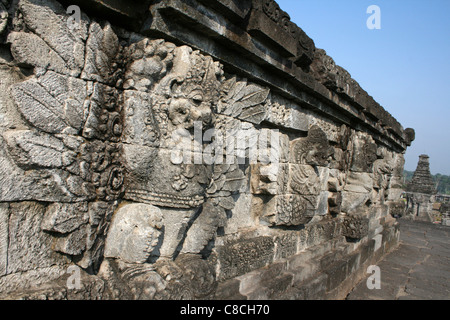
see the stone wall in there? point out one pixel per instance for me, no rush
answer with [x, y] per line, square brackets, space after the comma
[186, 149]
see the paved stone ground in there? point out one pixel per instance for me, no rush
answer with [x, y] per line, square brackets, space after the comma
[419, 269]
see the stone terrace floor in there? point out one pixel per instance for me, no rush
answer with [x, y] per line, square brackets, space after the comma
[419, 269]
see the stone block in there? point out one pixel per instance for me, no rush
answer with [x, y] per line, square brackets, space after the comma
[364, 153]
[50, 22]
[4, 234]
[304, 180]
[127, 15]
[321, 233]
[328, 259]
[354, 262]
[229, 290]
[10, 116]
[234, 10]
[241, 217]
[378, 242]
[397, 208]
[135, 233]
[277, 286]
[262, 278]
[263, 28]
[353, 202]
[322, 209]
[365, 253]
[28, 49]
[313, 289]
[286, 245]
[313, 150]
[359, 182]
[355, 227]
[269, 179]
[244, 256]
[301, 269]
[65, 218]
[335, 202]
[287, 114]
[336, 273]
[289, 210]
[29, 248]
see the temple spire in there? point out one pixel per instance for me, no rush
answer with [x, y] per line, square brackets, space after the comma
[422, 181]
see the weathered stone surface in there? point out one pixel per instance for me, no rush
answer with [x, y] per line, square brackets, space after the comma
[313, 150]
[28, 49]
[289, 210]
[48, 20]
[243, 101]
[286, 245]
[240, 219]
[364, 153]
[410, 136]
[10, 117]
[359, 182]
[53, 103]
[64, 218]
[355, 227]
[204, 228]
[235, 10]
[200, 273]
[3, 18]
[397, 209]
[134, 233]
[28, 248]
[261, 26]
[4, 234]
[102, 48]
[244, 256]
[211, 143]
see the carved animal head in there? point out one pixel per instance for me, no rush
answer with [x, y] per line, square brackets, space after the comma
[314, 150]
[177, 105]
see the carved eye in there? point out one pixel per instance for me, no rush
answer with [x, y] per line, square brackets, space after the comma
[197, 101]
[174, 86]
[196, 97]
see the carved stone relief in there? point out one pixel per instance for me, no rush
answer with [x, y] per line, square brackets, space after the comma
[306, 47]
[313, 150]
[299, 189]
[104, 160]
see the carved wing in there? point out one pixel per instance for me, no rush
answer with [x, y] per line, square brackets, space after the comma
[244, 101]
[53, 103]
[37, 150]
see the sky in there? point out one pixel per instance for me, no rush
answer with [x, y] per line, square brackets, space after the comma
[405, 65]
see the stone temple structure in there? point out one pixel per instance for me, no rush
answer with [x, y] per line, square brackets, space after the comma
[186, 149]
[420, 192]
